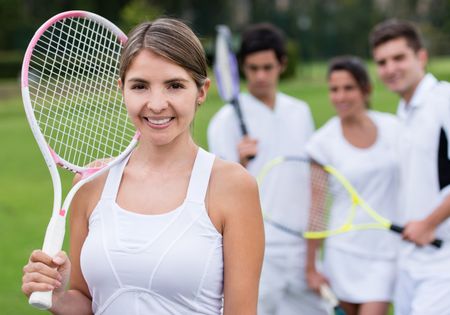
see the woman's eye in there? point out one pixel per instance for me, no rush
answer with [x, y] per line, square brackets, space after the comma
[350, 87]
[138, 86]
[176, 86]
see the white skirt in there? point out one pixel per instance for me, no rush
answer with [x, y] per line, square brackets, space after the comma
[357, 279]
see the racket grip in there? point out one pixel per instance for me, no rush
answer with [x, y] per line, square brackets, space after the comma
[41, 300]
[54, 237]
[399, 229]
[396, 228]
[328, 295]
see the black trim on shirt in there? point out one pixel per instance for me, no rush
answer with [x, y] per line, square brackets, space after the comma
[443, 161]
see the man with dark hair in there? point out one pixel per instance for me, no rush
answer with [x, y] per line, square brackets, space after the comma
[278, 125]
[423, 278]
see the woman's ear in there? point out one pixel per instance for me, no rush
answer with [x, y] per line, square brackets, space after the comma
[120, 84]
[203, 91]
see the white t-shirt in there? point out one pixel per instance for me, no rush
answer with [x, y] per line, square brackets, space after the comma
[373, 172]
[280, 132]
[423, 121]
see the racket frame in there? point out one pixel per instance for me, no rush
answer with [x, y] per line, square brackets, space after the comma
[54, 235]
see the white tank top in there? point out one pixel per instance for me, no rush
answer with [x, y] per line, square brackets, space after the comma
[170, 263]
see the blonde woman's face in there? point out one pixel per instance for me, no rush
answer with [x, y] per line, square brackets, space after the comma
[161, 98]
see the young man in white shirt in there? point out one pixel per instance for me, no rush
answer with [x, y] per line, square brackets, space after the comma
[423, 278]
[278, 125]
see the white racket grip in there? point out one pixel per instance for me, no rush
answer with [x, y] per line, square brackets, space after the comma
[53, 241]
[328, 295]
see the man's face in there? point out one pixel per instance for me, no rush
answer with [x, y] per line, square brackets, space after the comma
[399, 66]
[262, 71]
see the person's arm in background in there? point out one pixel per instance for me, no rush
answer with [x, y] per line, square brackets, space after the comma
[423, 232]
[225, 139]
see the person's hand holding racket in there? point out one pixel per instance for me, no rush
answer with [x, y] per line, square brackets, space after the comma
[247, 149]
[315, 279]
[45, 273]
[419, 232]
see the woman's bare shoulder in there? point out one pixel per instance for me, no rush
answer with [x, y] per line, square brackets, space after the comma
[232, 187]
[231, 176]
[89, 194]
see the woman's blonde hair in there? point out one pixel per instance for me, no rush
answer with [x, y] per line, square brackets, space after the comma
[168, 38]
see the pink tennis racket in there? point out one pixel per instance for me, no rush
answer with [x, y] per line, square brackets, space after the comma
[75, 108]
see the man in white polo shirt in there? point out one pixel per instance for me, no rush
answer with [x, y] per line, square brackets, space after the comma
[423, 280]
[278, 125]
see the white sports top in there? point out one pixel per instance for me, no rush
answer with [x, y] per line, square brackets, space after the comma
[170, 263]
[373, 171]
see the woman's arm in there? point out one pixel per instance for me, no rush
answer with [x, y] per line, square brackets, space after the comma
[234, 197]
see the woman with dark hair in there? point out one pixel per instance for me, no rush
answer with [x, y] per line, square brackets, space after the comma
[360, 266]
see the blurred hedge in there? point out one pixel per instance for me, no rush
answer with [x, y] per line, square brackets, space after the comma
[293, 54]
[10, 64]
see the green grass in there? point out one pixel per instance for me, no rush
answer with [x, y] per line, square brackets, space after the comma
[26, 189]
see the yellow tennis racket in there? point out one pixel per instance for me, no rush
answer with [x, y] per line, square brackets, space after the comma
[326, 187]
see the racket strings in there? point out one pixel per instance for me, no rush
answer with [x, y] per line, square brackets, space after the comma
[73, 86]
[322, 197]
[333, 207]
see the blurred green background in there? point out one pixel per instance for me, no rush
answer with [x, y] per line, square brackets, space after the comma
[317, 30]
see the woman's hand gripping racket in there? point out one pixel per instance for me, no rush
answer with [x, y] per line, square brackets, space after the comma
[74, 107]
[328, 188]
[226, 71]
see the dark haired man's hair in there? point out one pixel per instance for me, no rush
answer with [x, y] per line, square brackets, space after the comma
[394, 29]
[262, 36]
[355, 66]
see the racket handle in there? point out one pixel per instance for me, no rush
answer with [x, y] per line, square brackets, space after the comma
[399, 229]
[41, 300]
[54, 237]
[328, 295]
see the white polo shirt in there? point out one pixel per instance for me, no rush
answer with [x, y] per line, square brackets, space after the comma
[281, 131]
[424, 162]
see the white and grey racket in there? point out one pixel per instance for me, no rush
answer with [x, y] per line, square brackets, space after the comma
[75, 108]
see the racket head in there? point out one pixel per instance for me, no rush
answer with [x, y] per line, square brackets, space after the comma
[226, 68]
[336, 206]
[285, 193]
[70, 91]
[320, 190]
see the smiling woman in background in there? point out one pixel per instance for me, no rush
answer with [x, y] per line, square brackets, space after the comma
[360, 142]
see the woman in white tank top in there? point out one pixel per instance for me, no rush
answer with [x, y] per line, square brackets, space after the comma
[171, 230]
[359, 265]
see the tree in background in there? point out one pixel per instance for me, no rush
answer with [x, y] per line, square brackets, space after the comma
[322, 28]
[136, 11]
